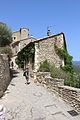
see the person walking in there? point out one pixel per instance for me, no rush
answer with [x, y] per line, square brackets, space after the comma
[26, 74]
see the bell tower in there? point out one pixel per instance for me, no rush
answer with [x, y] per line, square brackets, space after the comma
[48, 31]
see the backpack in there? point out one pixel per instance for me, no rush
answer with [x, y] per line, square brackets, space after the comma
[25, 73]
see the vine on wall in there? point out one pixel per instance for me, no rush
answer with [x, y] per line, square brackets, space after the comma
[63, 54]
[24, 55]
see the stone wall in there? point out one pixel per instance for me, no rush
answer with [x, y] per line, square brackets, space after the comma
[4, 74]
[17, 46]
[69, 94]
[26, 41]
[44, 50]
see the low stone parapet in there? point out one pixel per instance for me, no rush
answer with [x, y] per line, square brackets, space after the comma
[41, 76]
[44, 77]
[69, 94]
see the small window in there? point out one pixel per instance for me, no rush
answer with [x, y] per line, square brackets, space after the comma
[14, 38]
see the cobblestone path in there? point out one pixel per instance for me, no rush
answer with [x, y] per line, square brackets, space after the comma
[33, 102]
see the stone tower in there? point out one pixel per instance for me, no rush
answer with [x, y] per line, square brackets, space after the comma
[23, 33]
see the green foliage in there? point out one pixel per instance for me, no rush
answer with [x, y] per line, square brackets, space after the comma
[73, 81]
[63, 54]
[45, 66]
[5, 35]
[6, 50]
[70, 79]
[60, 52]
[19, 63]
[55, 72]
[58, 73]
[24, 55]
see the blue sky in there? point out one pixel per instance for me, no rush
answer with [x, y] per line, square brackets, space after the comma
[37, 15]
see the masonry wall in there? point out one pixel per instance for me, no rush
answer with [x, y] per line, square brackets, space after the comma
[44, 50]
[26, 41]
[69, 94]
[4, 74]
[16, 47]
[16, 36]
[20, 35]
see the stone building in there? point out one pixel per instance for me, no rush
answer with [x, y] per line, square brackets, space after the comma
[44, 48]
[20, 38]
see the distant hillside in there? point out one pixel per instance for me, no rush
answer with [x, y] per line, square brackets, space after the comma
[76, 62]
[76, 66]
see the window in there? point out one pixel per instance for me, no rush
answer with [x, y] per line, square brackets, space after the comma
[14, 38]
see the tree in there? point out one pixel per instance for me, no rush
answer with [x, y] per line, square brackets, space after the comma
[6, 50]
[5, 35]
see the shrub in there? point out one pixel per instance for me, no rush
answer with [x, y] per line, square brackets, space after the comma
[70, 79]
[58, 73]
[55, 72]
[73, 81]
[45, 66]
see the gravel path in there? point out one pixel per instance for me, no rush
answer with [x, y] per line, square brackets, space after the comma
[33, 102]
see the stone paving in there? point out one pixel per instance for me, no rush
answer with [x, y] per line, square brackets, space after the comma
[33, 102]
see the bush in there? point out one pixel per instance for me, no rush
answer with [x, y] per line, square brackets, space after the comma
[58, 73]
[73, 81]
[70, 79]
[55, 72]
[45, 66]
